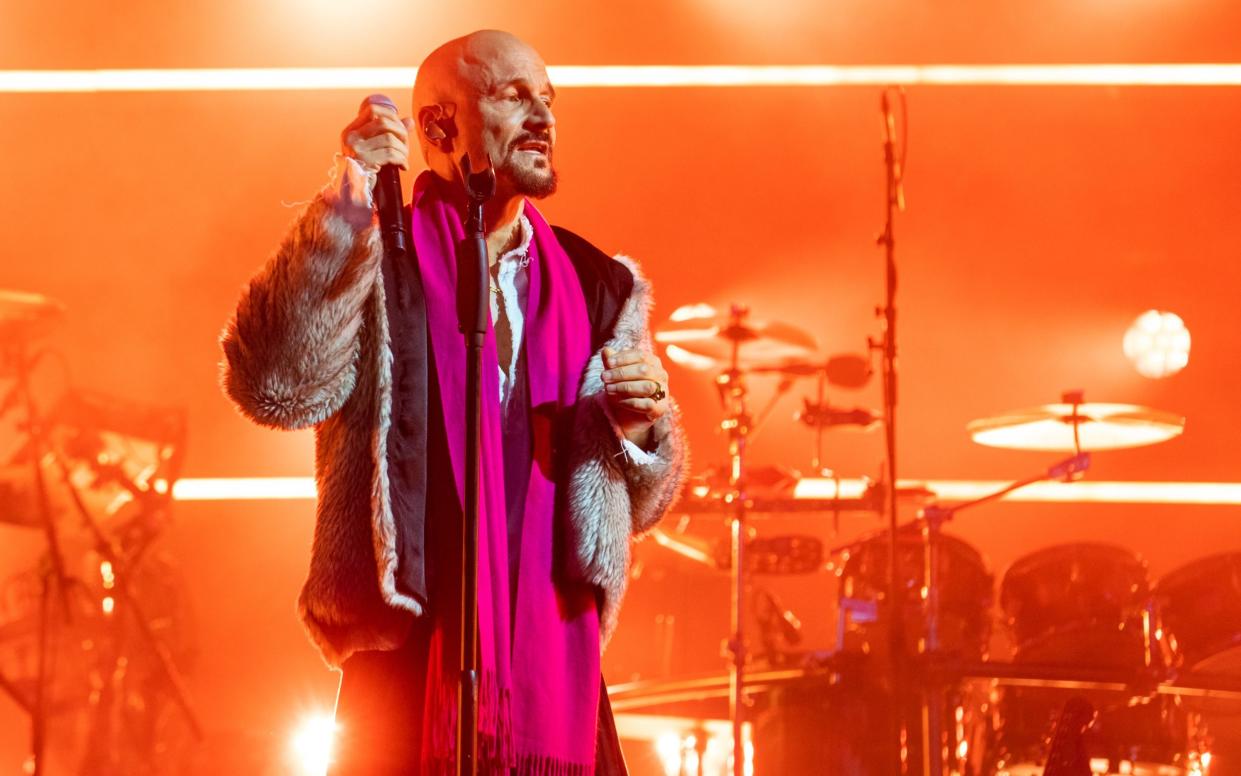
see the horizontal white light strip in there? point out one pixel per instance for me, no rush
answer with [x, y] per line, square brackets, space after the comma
[595, 76]
[218, 79]
[1088, 492]
[1085, 492]
[243, 488]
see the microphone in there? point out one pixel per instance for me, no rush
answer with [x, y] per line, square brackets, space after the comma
[389, 201]
[889, 120]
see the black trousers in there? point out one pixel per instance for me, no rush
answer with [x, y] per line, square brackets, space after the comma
[379, 715]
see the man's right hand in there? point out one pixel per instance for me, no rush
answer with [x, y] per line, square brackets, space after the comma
[378, 136]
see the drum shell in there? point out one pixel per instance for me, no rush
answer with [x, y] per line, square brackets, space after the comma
[1072, 588]
[1201, 607]
[1156, 730]
[835, 725]
[1087, 606]
[965, 594]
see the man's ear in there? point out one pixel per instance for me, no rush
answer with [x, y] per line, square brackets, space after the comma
[437, 126]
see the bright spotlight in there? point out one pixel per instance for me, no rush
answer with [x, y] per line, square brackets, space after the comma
[1157, 344]
[310, 748]
[668, 747]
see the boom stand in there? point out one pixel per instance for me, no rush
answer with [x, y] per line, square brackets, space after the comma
[472, 308]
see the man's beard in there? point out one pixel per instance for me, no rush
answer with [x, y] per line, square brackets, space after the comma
[528, 180]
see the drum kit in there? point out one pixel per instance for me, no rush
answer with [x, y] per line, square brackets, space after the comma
[933, 679]
[95, 636]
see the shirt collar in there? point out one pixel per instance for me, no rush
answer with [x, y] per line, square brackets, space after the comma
[526, 232]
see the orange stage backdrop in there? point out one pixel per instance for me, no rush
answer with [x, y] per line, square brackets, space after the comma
[1041, 222]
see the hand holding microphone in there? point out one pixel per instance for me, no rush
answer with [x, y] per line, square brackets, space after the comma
[379, 137]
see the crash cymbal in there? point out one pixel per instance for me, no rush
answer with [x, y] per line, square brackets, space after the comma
[701, 337]
[1099, 426]
[25, 315]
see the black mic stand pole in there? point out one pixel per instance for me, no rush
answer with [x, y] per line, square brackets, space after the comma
[472, 296]
[893, 201]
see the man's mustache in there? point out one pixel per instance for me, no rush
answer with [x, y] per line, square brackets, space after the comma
[540, 138]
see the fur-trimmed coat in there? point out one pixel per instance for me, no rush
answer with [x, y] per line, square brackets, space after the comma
[309, 345]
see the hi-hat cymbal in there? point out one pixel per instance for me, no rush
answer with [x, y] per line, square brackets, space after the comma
[25, 315]
[1099, 426]
[700, 337]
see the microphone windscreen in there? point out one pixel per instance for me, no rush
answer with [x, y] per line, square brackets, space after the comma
[380, 99]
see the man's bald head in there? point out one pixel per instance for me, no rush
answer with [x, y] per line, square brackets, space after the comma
[488, 94]
[467, 63]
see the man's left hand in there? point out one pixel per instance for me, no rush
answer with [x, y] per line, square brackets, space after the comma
[636, 386]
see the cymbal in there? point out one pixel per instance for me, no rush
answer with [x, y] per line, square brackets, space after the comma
[701, 337]
[1100, 426]
[24, 315]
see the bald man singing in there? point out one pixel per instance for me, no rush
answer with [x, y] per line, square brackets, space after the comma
[581, 443]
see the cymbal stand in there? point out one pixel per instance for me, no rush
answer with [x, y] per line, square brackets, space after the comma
[932, 519]
[125, 598]
[816, 462]
[55, 578]
[737, 424]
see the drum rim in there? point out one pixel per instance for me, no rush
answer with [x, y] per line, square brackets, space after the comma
[1184, 570]
[1053, 549]
[907, 535]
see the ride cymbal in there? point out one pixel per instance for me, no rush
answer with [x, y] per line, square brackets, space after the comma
[1068, 427]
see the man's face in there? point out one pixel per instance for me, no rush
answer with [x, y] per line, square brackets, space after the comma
[510, 118]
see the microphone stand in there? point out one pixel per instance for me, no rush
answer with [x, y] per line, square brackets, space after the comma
[472, 309]
[893, 201]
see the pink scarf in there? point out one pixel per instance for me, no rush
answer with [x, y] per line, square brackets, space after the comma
[540, 663]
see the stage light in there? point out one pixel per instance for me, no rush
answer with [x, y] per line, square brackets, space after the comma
[668, 747]
[1092, 492]
[629, 76]
[1157, 344]
[683, 754]
[828, 488]
[310, 748]
[1084, 492]
[1088, 492]
[243, 488]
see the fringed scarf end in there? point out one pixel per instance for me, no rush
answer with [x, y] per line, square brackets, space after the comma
[542, 765]
[495, 737]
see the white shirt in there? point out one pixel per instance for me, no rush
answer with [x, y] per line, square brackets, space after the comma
[510, 287]
[510, 283]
